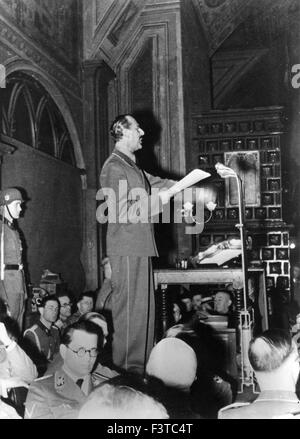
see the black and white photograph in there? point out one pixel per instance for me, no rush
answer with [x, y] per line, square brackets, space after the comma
[149, 212]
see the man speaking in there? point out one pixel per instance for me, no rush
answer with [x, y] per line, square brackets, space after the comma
[134, 198]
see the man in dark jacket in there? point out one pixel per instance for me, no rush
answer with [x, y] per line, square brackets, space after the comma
[132, 204]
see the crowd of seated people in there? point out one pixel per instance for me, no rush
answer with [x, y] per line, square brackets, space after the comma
[59, 368]
[198, 305]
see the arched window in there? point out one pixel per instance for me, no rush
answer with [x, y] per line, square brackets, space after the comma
[30, 115]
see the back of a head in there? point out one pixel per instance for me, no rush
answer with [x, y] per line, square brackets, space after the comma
[173, 362]
[268, 351]
[110, 401]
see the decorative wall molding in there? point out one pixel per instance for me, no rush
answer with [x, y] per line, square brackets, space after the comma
[54, 25]
[229, 67]
[24, 48]
[51, 87]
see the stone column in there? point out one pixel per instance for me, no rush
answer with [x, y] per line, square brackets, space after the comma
[96, 77]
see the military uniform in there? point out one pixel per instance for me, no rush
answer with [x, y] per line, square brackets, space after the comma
[13, 288]
[42, 344]
[130, 245]
[269, 404]
[73, 318]
[100, 374]
[56, 396]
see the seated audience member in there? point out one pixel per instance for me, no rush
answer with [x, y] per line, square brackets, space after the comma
[64, 310]
[186, 299]
[171, 370]
[17, 371]
[41, 341]
[197, 300]
[274, 358]
[60, 395]
[103, 301]
[222, 302]
[112, 401]
[174, 363]
[85, 303]
[201, 304]
[177, 312]
[99, 320]
[223, 306]
[101, 371]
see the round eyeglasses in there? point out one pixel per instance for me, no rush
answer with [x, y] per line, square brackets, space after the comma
[82, 351]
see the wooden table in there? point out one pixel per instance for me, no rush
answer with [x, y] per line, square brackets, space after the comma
[165, 277]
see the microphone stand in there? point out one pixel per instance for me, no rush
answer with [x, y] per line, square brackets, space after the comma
[245, 318]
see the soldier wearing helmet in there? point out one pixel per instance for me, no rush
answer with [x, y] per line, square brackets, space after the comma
[12, 284]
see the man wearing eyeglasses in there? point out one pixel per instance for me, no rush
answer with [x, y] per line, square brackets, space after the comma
[60, 395]
[65, 310]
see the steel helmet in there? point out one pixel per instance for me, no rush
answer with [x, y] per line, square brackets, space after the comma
[9, 195]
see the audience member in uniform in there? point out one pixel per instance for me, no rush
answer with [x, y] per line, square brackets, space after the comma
[17, 371]
[113, 401]
[41, 341]
[101, 372]
[85, 303]
[60, 395]
[274, 358]
[65, 310]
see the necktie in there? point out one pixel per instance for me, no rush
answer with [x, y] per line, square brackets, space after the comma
[79, 382]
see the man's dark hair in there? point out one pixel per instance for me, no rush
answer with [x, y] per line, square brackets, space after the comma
[81, 325]
[117, 126]
[89, 294]
[42, 302]
[269, 350]
[64, 293]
